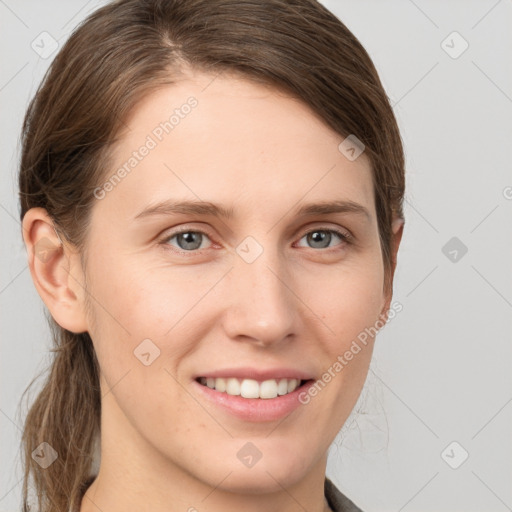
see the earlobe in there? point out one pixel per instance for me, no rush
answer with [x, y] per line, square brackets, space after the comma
[56, 271]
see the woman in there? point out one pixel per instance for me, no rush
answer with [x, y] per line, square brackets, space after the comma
[211, 194]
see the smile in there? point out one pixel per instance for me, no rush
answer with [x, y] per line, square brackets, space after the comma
[250, 388]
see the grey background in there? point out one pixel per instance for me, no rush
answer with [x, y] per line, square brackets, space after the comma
[442, 368]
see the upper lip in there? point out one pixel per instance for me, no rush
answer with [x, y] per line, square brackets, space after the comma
[258, 374]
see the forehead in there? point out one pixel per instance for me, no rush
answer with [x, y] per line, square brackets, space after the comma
[231, 141]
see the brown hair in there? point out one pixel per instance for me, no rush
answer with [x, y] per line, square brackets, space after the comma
[110, 62]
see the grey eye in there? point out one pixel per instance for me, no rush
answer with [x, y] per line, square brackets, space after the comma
[188, 240]
[321, 238]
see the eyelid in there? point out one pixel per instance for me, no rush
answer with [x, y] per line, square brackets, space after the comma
[184, 229]
[345, 235]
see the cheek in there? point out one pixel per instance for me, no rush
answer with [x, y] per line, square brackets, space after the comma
[347, 303]
[137, 302]
[349, 307]
[146, 314]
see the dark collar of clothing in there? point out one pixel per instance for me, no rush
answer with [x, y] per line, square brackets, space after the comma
[338, 501]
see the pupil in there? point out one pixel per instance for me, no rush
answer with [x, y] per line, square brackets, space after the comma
[189, 240]
[318, 237]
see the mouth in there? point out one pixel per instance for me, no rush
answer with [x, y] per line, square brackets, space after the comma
[254, 394]
[253, 400]
[252, 388]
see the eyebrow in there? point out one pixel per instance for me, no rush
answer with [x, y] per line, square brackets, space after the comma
[207, 208]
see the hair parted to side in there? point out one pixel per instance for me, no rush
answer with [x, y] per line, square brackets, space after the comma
[121, 53]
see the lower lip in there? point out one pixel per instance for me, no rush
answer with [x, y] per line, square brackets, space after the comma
[255, 409]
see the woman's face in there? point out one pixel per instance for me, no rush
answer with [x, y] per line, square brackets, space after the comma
[257, 287]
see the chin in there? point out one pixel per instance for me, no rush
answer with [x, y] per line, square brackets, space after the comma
[262, 480]
[277, 467]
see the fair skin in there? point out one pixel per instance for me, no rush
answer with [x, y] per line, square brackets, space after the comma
[166, 446]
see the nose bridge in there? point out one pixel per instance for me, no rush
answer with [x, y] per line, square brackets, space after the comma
[263, 307]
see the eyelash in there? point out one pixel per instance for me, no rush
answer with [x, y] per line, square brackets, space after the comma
[345, 237]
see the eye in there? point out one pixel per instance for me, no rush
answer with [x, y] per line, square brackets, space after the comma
[188, 240]
[193, 240]
[322, 238]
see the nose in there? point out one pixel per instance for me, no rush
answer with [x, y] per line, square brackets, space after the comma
[263, 308]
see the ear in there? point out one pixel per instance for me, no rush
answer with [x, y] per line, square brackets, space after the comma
[56, 271]
[397, 228]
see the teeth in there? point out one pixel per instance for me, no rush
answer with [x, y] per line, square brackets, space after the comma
[232, 387]
[250, 388]
[282, 387]
[292, 384]
[220, 385]
[268, 389]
